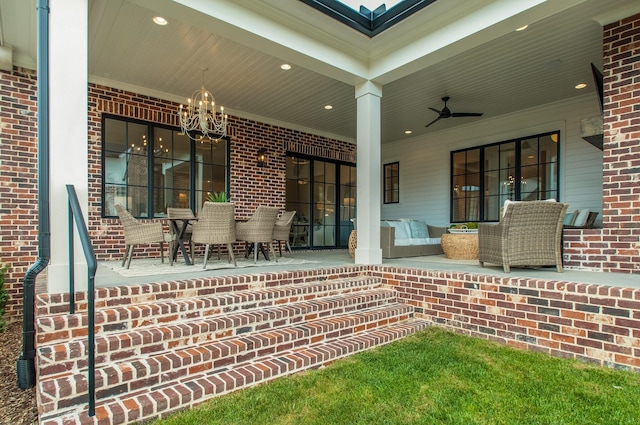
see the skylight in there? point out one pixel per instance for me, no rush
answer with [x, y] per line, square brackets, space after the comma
[375, 19]
[370, 4]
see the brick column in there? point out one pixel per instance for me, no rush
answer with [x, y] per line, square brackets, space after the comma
[621, 154]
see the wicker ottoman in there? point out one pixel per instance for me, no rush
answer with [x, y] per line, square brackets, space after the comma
[460, 246]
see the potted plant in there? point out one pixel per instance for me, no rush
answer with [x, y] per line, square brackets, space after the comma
[218, 197]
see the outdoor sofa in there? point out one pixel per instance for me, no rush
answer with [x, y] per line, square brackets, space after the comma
[409, 238]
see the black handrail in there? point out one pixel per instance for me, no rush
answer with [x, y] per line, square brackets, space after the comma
[92, 265]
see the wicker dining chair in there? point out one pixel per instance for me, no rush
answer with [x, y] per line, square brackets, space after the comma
[216, 226]
[258, 229]
[530, 234]
[138, 233]
[282, 230]
[178, 213]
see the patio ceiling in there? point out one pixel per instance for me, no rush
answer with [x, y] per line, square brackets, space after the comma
[434, 53]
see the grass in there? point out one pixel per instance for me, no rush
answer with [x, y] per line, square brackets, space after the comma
[435, 377]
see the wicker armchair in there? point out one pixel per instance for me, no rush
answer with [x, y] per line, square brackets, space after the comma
[530, 234]
[216, 226]
[175, 226]
[258, 229]
[137, 233]
[282, 230]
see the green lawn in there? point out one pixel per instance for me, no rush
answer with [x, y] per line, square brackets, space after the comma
[435, 377]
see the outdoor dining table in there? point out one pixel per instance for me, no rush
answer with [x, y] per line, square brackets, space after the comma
[179, 223]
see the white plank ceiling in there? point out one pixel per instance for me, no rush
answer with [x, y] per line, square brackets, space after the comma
[509, 72]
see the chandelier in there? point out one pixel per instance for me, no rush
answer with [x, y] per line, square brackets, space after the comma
[200, 119]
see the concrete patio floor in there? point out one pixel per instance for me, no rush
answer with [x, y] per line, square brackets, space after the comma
[106, 277]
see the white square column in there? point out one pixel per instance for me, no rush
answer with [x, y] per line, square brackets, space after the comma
[368, 249]
[68, 91]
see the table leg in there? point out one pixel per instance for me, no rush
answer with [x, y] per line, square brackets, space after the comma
[180, 241]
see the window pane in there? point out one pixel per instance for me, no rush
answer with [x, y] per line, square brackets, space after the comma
[524, 169]
[145, 162]
[211, 172]
[391, 183]
[299, 199]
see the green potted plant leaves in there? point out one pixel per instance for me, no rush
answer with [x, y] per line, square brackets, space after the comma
[218, 197]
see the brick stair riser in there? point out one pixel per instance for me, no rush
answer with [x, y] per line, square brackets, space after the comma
[53, 304]
[166, 367]
[63, 328]
[55, 359]
[162, 399]
[64, 358]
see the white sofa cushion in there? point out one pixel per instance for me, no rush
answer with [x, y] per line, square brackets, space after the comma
[402, 232]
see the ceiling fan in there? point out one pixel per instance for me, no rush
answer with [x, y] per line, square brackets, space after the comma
[446, 112]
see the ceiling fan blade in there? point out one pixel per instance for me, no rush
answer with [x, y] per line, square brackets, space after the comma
[432, 122]
[466, 114]
[435, 110]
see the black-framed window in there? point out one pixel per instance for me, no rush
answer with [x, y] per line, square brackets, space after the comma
[483, 177]
[148, 167]
[391, 177]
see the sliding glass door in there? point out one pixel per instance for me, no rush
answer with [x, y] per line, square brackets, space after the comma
[324, 207]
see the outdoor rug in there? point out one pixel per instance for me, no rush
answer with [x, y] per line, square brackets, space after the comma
[154, 266]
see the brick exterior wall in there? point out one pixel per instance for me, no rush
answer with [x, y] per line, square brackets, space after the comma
[616, 247]
[593, 323]
[250, 185]
[18, 181]
[621, 194]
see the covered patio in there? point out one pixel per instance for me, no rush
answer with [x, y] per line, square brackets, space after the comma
[348, 102]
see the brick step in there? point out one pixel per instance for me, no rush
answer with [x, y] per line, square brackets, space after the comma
[193, 389]
[68, 357]
[52, 304]
[111, 319]
[163, 368]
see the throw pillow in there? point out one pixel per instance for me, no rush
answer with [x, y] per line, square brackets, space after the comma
[581, 217]
[418, 229]
[570, 218]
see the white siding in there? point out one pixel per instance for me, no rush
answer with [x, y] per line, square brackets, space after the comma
[425, 161]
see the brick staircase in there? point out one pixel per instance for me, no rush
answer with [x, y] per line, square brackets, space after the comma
[169, 346]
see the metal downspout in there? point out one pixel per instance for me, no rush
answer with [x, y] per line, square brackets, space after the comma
[26, 363]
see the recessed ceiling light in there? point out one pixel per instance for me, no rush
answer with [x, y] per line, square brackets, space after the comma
[160, 20]
[285, 66]
[327, 107]
[522, 28]
[581, 86]
[408, 132]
